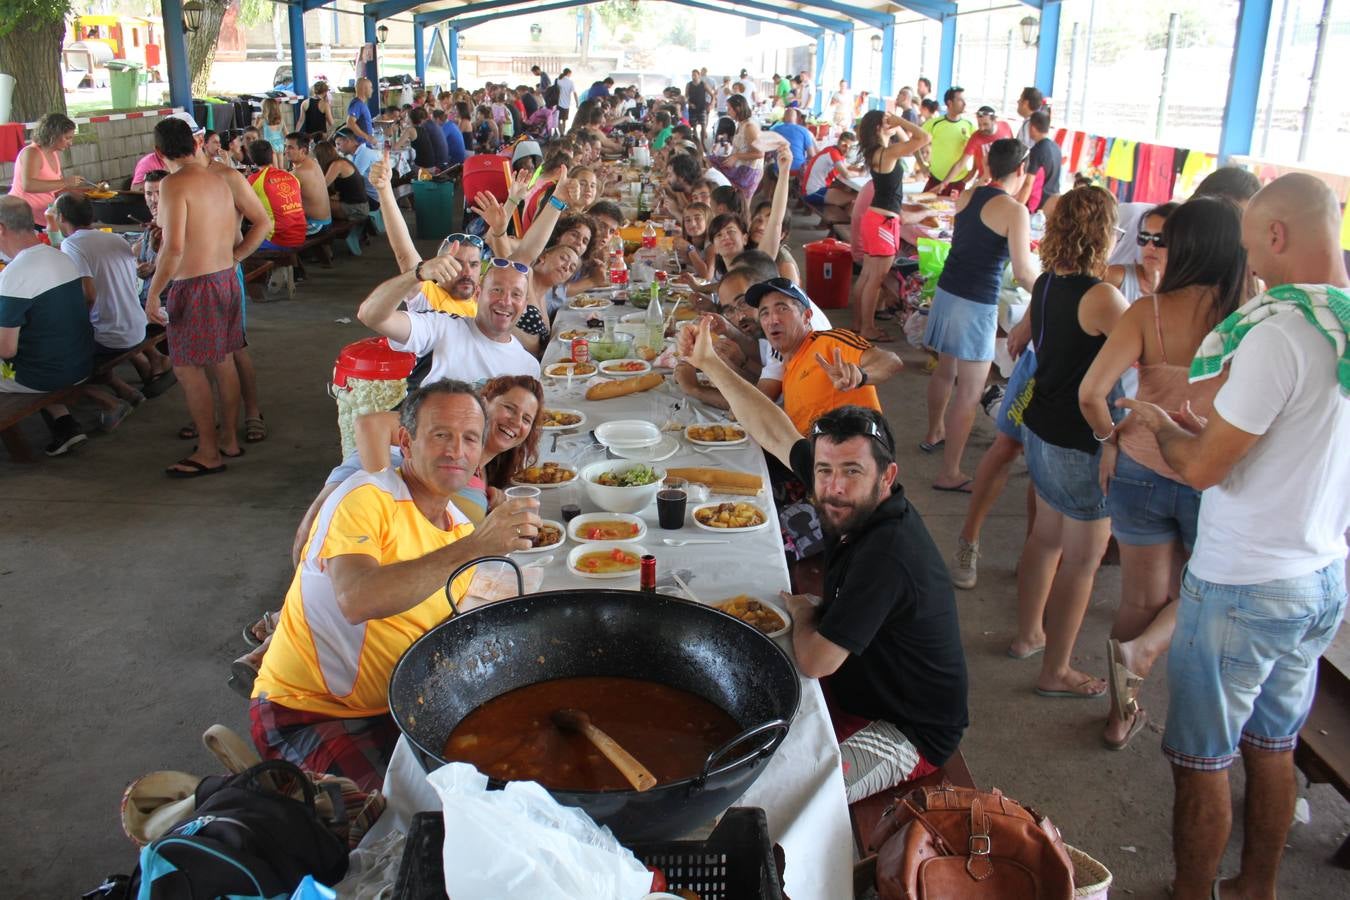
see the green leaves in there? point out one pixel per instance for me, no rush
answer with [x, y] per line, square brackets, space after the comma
[31, 13]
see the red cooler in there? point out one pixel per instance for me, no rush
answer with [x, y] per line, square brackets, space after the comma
[829, 273]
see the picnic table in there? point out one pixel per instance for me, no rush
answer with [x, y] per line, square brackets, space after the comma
[802, 788]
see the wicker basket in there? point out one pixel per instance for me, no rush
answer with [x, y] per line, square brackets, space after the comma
[1091, 879]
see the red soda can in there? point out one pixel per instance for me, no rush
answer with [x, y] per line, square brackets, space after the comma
[581, 351]
[647, 576]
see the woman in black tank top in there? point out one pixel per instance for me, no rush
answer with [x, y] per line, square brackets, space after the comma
[879, 230]
[318, 118]
[1072, 311]
[343, 180]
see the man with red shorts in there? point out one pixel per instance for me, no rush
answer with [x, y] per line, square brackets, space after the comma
[196, 294]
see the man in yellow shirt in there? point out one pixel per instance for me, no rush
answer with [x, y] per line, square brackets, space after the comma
[370, 582]
[950, 133]
[822, 370]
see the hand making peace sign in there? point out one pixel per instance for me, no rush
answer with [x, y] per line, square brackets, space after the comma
[845, 376]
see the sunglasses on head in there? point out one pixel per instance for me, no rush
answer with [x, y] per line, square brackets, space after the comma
[1145, 238]
[498, 263]
[472, 240]
[873, 430]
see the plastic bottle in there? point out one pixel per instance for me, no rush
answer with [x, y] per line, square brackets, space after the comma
[618, 269]
[648, 258]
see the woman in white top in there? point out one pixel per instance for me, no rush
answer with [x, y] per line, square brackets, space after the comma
[1135, 280]
[745, 166]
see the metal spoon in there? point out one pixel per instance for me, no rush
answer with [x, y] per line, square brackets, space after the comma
[672, 542]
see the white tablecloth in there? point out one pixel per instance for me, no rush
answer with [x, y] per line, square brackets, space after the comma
[801, 790]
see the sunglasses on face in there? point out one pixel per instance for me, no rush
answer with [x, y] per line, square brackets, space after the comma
[498, 263]
[1149, 237]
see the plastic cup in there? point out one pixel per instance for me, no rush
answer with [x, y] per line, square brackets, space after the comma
[523, 492]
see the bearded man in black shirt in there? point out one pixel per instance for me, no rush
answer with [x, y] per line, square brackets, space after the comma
[884, 640]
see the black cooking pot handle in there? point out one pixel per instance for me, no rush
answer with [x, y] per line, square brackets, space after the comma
[520, 577]
[777, 731]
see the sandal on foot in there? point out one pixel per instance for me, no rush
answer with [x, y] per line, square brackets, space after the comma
[1123, 684]
[1074, 694]
[962, 488]
[159, 384]
[192, 469]
[187, 433]
[242, 676]
[929, 448]
[266, 623]
[1034, 651]
[255, 430]
[1136, 725]
[235, 455]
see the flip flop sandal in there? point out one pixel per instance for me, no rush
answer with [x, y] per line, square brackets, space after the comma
[193, 469]
[242, 676]
[885, 314]
[882, 338]
[226, 455]
[962, 488]
[187, 433]
[266, 622]
[1123, 684]
[1136, 725]
[255, 430]
[929, 448]
[1072, 695]
[159, 384]
[1035, 651]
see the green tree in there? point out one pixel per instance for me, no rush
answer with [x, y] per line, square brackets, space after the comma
[623, 15]
[31, 32]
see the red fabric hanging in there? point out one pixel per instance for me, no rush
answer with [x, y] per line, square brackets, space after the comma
[11, 141]
[1154, 179]
[1076, 153]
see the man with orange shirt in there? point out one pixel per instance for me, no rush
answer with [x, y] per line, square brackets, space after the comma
[822, 370]
[279, 192]
[370, 582]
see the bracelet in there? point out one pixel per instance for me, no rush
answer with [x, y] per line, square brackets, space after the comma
[501, 233]
[1102, 440]
[556, 203]
[417, 271]
[510, 202]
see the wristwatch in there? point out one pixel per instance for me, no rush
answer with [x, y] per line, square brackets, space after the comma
[863, 380]
[417, 272]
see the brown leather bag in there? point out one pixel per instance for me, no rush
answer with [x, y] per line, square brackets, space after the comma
[947, 842]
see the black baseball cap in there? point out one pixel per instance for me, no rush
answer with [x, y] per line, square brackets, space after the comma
[784, 286]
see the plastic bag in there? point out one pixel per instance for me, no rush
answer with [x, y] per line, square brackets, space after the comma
[520, 842]
[916, 324]
[932, 260]
[1013, 301]
[497, 581]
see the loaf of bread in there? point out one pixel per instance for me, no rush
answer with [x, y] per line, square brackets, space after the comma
[608, 390]
[720, 481]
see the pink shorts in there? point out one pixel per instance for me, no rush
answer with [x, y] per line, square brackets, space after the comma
[878, 235]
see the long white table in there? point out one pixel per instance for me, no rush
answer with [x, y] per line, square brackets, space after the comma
[802, 789]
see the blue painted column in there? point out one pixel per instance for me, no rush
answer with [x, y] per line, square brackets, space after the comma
[373, 67]
[887, 62]
[1249, 53]
[175, 55]
[452, 48]
[820, 74]
[295, 16]
[1047, 47]
[946, 55]
[848, 58]
[420, 52]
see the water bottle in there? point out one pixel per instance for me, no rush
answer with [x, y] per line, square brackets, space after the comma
[656, 320]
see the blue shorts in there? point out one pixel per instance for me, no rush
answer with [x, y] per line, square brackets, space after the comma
[314, 226]
[1009, 418]
[961, 328]
[816, 198]
[1242, 668]
[1065, 478]
[1147, 508]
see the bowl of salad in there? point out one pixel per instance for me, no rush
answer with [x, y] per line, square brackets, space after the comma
[622, 487]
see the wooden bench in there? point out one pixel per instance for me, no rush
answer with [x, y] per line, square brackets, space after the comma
[1323, 752]
[866, 813]
[14, 408]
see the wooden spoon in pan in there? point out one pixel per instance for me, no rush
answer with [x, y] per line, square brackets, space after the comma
[574, 720]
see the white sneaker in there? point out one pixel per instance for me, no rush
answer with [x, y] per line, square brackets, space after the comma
[963, 573]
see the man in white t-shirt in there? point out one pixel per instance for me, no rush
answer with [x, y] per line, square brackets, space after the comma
[567, 92]
[107, 266]
[1264, 591]
[464, 349]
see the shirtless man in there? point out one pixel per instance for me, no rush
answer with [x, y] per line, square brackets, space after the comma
[202, 309]
[313, 185]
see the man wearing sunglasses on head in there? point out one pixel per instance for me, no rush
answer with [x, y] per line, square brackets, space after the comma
[468, 349]
[884, 639]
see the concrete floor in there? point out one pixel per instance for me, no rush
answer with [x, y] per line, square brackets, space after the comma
[123, 594]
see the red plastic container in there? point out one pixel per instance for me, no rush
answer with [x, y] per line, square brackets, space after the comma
[373, 360]
[829, 273]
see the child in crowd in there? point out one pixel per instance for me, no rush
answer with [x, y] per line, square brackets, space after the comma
[693, 239]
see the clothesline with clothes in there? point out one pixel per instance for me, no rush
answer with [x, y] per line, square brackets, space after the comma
[1134, 171]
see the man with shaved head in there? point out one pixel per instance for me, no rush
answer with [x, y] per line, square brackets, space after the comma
[1264, 590]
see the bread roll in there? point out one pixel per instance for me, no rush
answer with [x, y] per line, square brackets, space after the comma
[720, 481]
[608, 390]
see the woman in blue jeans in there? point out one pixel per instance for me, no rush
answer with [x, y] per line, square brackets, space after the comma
[1153, 514]
[1072, 312]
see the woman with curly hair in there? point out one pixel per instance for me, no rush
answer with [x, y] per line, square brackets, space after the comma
[37, 170]
[1072, 312]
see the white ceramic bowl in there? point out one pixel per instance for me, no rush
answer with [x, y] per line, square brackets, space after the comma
[545, 487]
[714, 444]
[576, 529]
[605, 547]
[586, 303]
[782, 614]
[619, 499]
[693, 517]
[559, 370]
[624, 368]
[628, 434]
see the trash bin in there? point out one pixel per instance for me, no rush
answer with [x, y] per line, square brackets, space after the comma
[369, 376]
[829, 273]
[435, 202]
[124, 80]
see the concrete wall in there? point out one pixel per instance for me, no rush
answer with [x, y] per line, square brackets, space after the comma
[103, 151]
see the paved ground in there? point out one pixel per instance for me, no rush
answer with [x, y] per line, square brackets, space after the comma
[123, 593]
